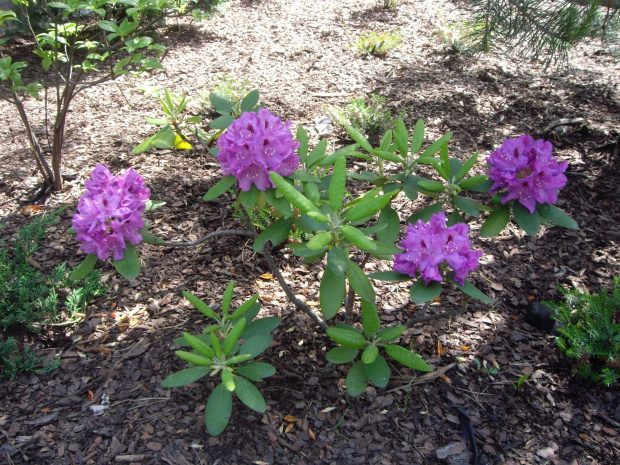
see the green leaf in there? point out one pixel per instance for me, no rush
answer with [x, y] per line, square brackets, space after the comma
[187, 376]
[389, 156]
[332, 292]
[249, 395]
[369, 207]
[529, 222]
[221, 104]
[390, 333]
[256, 371]
[156, 121]
[228, 380]
[496, 222]
[109, 26]
[200, 305]
[469, 183]
[421, 293]
[358, 238]
[347, 338]
[293, 195]
[469, 164]
[250, 100]
[261, 326]
[316, 155]
[249, 198]
[193, 358]
[431, 186]
[244, 308]
[401, 136]
[378, 371]
[302, 137]
[337, 260]
[407, 358]
[342, 354]
[557, 216]
[370, 318]
[370, 355]
[279, 203]
[319, 240]
[389, 217]
[360, 282]
[84, 268]
[198, 345]
[151, 205]
[418, 136]
[389, 276]
[467, 205]
[222, 186]
[337, 184]
[129, 266]
[206, 337]
[218, 410]
[436, 146]
[357, 137]
[222, 122]
[357, 379]
[474, 292]
[227, 297]
[233, 336]
[256, 345]
[425, 214]
[148, 238]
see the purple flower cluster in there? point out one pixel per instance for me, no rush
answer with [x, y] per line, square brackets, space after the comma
[254, 145]
[526, 169]
[110, 212]
[428, 245]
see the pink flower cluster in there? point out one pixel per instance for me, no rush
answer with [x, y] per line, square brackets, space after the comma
[254, 145]
[429, 245]
[526, 169]
[110, 212]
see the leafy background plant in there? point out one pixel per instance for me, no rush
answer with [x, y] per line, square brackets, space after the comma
[590, 332]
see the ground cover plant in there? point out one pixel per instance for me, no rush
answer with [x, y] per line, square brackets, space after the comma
[107, 403]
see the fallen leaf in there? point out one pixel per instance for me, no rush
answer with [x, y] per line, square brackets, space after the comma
[584, 437]
[31, 210]
[266, 276]
[104, 350]
[464, 348]
[311, 434]
[441, 350]
[446, 379]
[46, 409]
[266, 298]
[290, 418]
[90, 395]
[289, 428]
[328, 409]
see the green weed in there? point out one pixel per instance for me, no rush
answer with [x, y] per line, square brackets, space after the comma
[367, 118]
[377, 43]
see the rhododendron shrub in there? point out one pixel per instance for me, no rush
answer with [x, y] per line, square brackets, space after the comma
[344, 229]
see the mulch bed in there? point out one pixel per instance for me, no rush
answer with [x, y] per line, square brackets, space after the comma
[121, 351]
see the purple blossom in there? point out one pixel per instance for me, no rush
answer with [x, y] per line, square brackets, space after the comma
[110, 212]
[428, 245]
[254, 145]
[526, 169]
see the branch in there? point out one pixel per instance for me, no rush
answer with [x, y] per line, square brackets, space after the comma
[238, 232]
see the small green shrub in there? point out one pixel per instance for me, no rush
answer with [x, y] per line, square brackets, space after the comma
[389, 5]
[31, 298]
[377, 43]
[590, 332]
[232, 89]
[367, 118]
[12, 363]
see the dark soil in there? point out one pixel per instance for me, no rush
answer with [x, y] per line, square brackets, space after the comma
[292, 51]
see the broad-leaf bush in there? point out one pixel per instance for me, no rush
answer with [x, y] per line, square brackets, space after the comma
[311, 190]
